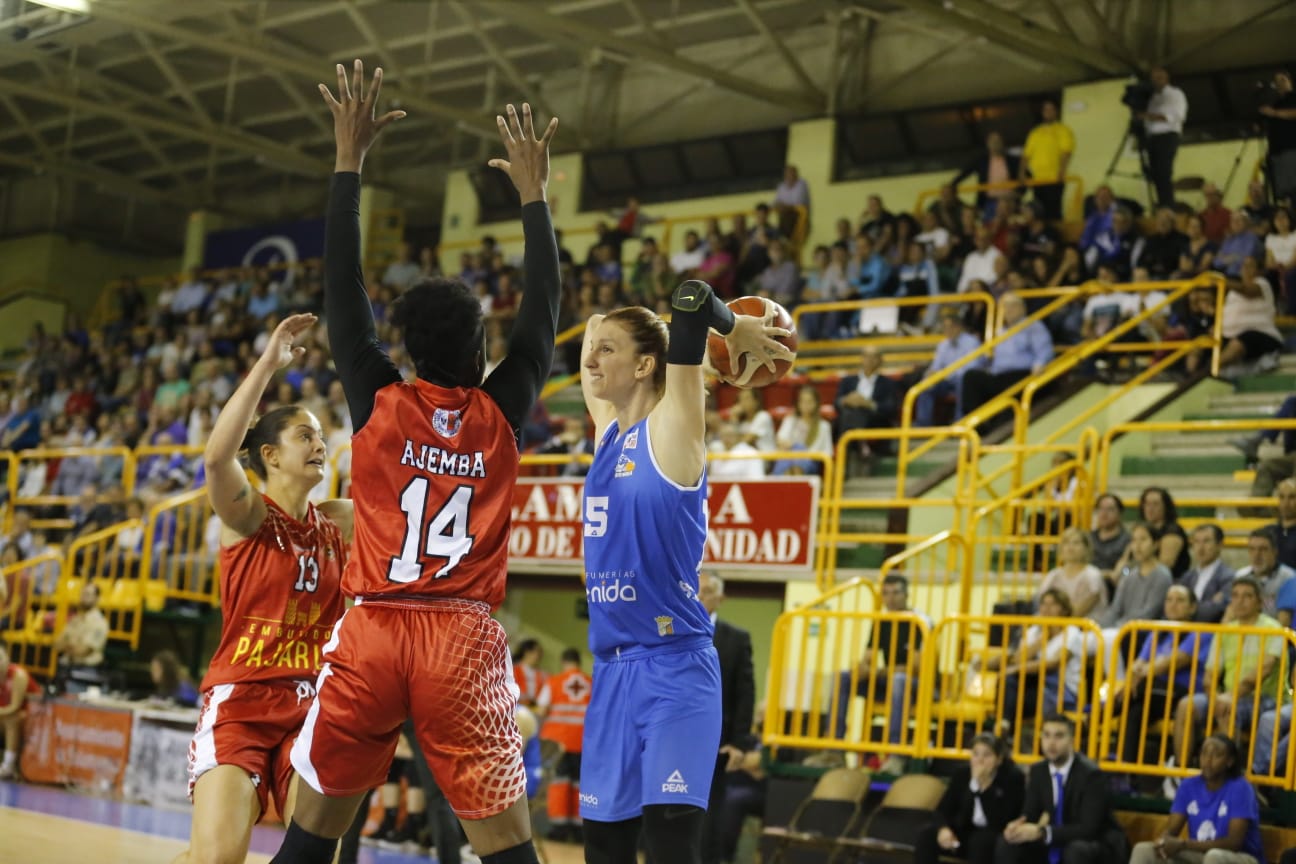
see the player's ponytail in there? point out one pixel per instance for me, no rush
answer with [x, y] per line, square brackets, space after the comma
[266, 431]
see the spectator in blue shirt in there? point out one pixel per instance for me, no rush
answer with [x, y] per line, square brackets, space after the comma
[22, 431]
[1016, 358]
[958, 343]
[1240, 244]
[1149, 681]
[1100, 218]
[1220, 809]
[868, 271]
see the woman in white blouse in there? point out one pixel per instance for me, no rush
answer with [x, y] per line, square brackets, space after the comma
[1248, 320]
[1280, 255]
[1075, 576]
[804, 429]
[755, 425]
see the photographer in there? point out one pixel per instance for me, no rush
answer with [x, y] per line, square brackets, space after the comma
[1163, 121]
[1282, 138]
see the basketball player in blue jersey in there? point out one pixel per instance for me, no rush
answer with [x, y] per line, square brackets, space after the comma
[652, 729]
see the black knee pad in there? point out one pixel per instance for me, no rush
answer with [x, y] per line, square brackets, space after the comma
[673, 833]
[302, 847]
[523, 853]
[612, 842]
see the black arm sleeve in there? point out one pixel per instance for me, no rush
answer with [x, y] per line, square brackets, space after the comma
[515, 384]
[695, 308]
[362, 366]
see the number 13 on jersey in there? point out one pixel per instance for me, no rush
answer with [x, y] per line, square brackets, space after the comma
[445, 535]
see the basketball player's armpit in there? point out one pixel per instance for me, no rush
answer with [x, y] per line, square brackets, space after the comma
[695, 309]
[363, 367]
[516, 383]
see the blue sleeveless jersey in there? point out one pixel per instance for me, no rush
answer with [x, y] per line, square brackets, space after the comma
[644, 538]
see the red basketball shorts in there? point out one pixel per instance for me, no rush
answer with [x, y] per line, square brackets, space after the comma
[446, 664]
[250, 726]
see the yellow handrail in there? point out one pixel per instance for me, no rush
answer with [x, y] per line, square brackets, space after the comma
[818, 308]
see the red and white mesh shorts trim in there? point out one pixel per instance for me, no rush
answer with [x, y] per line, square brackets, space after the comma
[250, 726]
[446, 664]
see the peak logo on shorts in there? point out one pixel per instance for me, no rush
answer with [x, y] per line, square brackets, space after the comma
[675, 783]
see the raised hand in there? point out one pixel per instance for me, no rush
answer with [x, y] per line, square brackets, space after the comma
[279, 351]
[757, 337]
[528, 157]
[355, 121]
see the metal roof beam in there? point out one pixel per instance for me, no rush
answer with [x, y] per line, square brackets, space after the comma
[527, 15]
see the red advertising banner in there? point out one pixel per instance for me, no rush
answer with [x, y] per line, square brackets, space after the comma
[754, 525]
[67, 741]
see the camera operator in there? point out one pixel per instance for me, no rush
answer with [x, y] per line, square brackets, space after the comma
[1282, 138]
[1163, 120]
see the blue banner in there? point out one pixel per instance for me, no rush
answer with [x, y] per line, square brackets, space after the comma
[264, 245]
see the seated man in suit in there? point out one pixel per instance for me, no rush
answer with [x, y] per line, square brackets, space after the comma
[1068, 817]
[868, 399]
[1209, 579]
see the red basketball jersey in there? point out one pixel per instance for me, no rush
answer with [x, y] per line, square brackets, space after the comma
[432, 477]
[281, 592]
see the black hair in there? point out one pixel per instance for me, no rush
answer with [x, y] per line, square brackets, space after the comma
[1269, 534]
[896, 579]
[1171, 512]
[442, 324]
[172, 672]
[1058, 717]
[1115, 499]
[526, 646]
[267, 431]
[570, 655]
[1216, 531]
[1232, 750]
[997, 745]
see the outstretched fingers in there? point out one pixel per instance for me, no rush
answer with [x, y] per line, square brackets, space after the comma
[506, 135]
[357, 80]
[528, 128]
[549, 131]
[344, 86]
[375, 87]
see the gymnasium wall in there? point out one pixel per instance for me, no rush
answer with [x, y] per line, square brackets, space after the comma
[69, 270]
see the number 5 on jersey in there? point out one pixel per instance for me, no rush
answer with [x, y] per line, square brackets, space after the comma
[446, 533]
[596, 515]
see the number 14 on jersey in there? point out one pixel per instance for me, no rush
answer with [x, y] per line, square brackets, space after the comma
[445, 535]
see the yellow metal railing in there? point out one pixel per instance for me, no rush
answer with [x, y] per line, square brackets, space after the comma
[972, 670]
[176, 554]
[40, 459]
[98, 557]
[1140, 740]
[1075, 181]
[33, 613]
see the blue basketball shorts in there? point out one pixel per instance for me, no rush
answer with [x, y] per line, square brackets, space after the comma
[652, 733]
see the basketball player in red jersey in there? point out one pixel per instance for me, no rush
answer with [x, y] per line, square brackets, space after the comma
[434, 462]
[17, 687]
[281, 562]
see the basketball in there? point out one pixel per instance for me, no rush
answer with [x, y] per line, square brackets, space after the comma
[718, 351]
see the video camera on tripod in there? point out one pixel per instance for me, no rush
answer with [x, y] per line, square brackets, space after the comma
[1138, 95]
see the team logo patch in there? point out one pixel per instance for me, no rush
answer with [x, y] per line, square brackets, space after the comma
[631, 441]
[675, 782]
[446, 423]
[665, 627]
[625, 466]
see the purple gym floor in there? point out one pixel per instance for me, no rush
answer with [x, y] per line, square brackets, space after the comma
[153, 820]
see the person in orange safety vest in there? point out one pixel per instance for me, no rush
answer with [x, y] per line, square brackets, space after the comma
[563, 699]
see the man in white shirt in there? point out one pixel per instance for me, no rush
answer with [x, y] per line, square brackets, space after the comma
[1164, 118]
[980, 262]
[690, 257]
[734, 469]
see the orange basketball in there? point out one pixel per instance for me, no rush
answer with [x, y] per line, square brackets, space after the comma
[718, 351]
